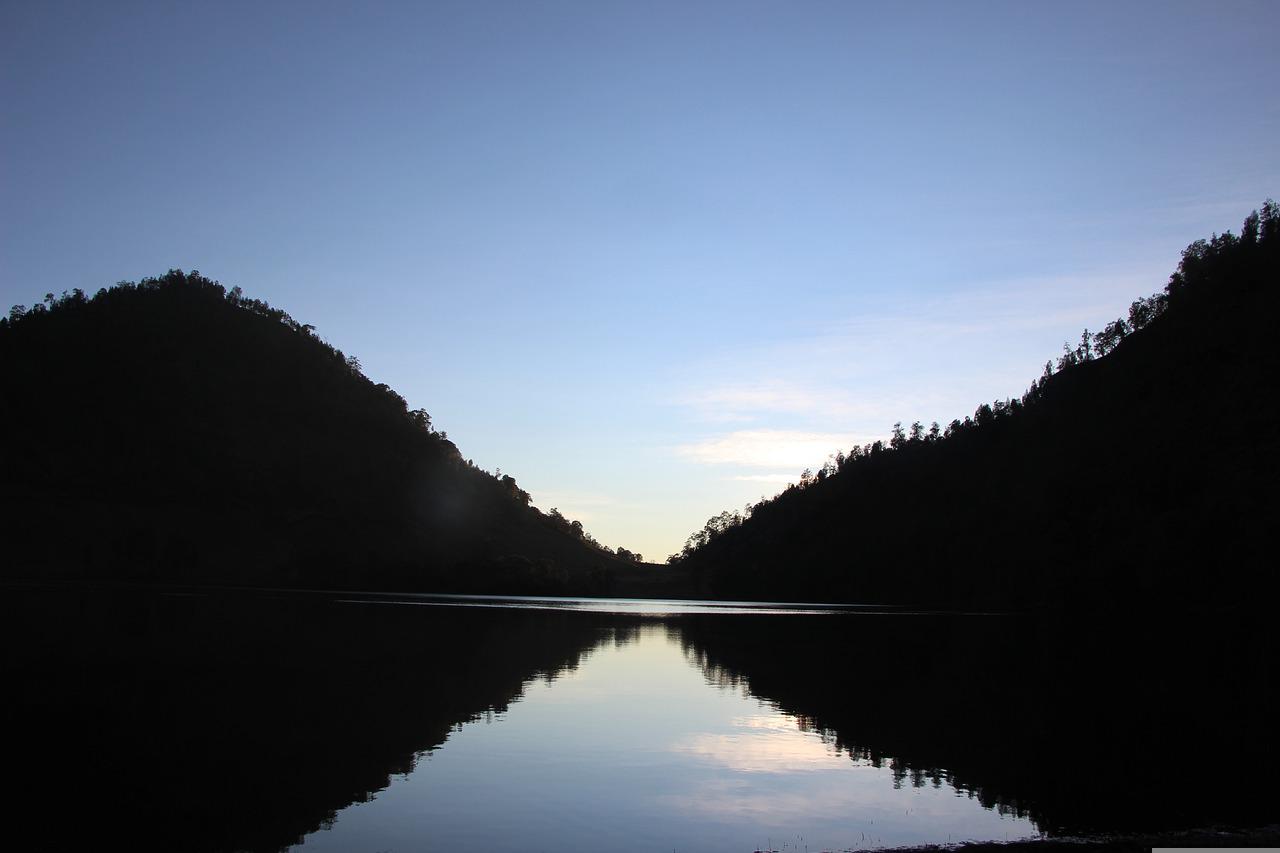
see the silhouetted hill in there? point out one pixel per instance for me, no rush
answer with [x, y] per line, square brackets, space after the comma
[171, 430]
[1142, 469]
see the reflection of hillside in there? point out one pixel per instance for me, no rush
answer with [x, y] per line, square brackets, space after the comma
[1081, 727]
[197, 723]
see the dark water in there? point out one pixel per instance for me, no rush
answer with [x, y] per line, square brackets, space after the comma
[189, 720]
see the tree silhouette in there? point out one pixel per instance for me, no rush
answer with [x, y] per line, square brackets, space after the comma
[173, 430]
[1119, 476]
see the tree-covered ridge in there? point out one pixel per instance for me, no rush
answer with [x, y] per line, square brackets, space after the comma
[173, 429]
[1140, 451]
[44, 318]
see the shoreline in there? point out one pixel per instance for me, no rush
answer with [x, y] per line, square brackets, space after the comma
[1260, 837]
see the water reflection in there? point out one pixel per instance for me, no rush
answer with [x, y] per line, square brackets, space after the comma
[764, 743]
[647, 607]
[230, 721]
[242, 722]
[1084, 726]
[632, 751]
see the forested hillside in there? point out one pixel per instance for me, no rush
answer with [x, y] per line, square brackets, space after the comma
[1142, 466]
[174, 431]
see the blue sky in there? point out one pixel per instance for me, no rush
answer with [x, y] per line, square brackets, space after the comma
[651, 259]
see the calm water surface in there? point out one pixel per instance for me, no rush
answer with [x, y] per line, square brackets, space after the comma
[649, 607]
[644, 747]
[233, 720]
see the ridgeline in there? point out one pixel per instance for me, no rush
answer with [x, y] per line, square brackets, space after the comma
[1141, 468]
[173, 431]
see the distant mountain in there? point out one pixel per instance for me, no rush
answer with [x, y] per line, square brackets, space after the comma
[173, 431]
[1142, 467]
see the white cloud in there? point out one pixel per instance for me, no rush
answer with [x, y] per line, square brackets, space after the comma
[579, 507]
[749, 401]
[933, 358]
[781, 479]
[769, 448]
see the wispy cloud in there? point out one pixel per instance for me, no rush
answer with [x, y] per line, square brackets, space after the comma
[751, 401]
[580, 507]
[1002, 307]
[780, 479]
[769, 448]
[923, 358]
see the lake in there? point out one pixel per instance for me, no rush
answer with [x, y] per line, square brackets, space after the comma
[229, 720]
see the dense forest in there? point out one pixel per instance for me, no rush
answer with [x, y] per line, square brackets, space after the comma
[175, 431]
[1140, 467]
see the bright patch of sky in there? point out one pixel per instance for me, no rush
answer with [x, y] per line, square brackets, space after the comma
[651, 259]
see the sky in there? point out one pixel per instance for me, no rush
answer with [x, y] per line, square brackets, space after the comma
[651, 259]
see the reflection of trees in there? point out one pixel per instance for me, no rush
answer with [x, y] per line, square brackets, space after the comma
[242, 724]
[1080, 726]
